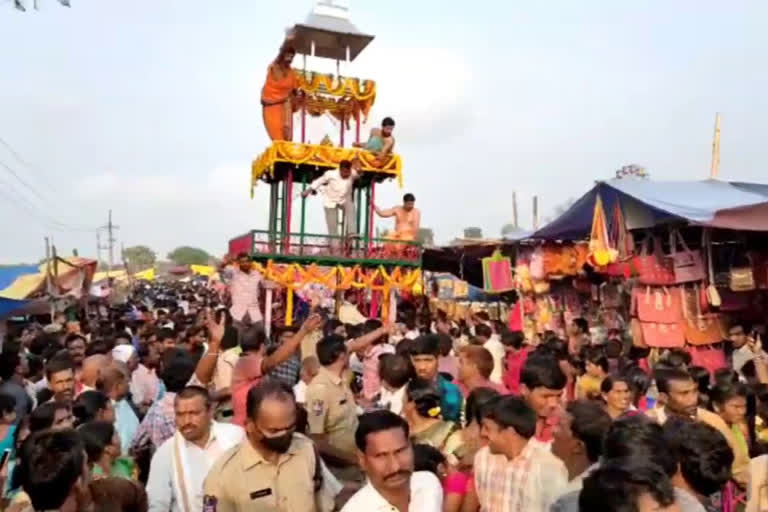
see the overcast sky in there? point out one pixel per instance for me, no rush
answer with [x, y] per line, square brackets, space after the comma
[151, 108]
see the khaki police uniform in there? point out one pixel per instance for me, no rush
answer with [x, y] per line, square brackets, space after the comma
[331, 410]
[242, 480]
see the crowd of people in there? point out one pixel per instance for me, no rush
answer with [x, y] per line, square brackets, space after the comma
[182, 400]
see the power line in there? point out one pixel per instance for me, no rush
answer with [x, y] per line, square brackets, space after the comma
[25, 204]
[21, 180]
[42, 175]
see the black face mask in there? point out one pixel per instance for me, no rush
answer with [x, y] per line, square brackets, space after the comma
[278, 444]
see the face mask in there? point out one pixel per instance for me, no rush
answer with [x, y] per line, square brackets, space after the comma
[278, 444]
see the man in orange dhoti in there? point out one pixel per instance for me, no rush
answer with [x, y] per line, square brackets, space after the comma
[277, 94]
[407, 223]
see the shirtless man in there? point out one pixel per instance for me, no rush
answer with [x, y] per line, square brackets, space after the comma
[380, 142]
[407, 219]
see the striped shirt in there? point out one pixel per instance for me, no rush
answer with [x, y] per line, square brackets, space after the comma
[531, 482]
[244, 289]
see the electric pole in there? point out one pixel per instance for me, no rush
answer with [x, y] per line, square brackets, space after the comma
[111, 228]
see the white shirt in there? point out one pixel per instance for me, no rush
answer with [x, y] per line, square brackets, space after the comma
[244, 289]
[393, 400]
[160, 487]
[300, 392]
[496, 348]
[335, 189]
[426, 496]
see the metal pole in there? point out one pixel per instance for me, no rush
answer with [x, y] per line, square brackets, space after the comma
[364, 227]
[535, 212]
[303, 214]
[48, 276]
[716, 150]
[272, 214]
[371, 212]
[341, 129]
[304, 120]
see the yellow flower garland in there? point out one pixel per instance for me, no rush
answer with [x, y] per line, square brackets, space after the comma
[323, 83]
[320, 155]
[294, 275]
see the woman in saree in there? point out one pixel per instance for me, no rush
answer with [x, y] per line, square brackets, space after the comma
[278, 92]
[422, 412]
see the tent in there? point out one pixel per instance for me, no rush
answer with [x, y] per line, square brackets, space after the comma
[72, 276]
[645, 203]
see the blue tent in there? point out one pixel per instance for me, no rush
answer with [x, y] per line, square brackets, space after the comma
[9, 274]
[9, 306]
[645, 203]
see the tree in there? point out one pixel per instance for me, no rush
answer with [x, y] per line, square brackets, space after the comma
[189, 256]
[140, 256]
[473, 232]
[426, 236]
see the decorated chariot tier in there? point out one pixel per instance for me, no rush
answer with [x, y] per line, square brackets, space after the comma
[285, 252]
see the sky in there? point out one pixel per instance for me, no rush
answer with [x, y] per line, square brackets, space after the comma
[151, 108]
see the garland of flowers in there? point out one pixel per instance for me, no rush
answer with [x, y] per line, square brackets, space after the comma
[324, 83]
[320, 155]
[294, 275]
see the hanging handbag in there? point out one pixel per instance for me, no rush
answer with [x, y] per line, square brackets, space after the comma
[710, 358]
[663, 335]
[713, 296]
[636, 331]
[741, 279]
[700, 329]
[653, 269]
[688, 265]
[658, 305]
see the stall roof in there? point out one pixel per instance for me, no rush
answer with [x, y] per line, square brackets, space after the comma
[722, 204]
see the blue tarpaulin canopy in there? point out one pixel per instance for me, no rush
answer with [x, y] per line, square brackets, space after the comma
[9, 306]
[9, 274]
[645, 203]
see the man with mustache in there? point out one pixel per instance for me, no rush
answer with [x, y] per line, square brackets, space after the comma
[386, 455]
[181, 464]
[275, 468]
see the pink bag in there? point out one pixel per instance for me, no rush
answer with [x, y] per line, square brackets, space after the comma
[658, 304]
[663, 335]
[688, 265]
[654, 269]
[709, 357]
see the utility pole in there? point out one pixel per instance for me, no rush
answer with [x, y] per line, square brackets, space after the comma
[716, 150]
[48, 275]
[514, 209]
[110, 242]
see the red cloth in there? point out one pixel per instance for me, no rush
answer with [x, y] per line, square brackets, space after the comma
[513, 367]
[246, 374]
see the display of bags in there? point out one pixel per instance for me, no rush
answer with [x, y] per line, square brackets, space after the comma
[688, 265]
[663, 335]
[659, 305]
[654, 269]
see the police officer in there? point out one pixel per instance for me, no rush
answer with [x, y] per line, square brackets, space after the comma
[275, 468]
[331, 408]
